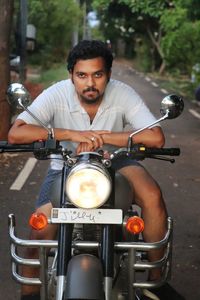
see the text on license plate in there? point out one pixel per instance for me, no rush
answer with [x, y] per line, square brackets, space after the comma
[86, 216]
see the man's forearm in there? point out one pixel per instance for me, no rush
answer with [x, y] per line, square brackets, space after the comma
[149, 137]
[28, 133]
[22, 133]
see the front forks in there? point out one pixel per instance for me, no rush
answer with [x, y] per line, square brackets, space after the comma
[64, 256]
[107, 255]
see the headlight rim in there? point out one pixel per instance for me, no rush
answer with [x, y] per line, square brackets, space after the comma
[94, 165]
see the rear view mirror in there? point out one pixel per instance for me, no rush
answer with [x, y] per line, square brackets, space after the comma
[18, 97]
[172, 106]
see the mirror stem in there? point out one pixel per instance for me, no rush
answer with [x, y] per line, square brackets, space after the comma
[36, 119]
[157, 121]
[139, 130]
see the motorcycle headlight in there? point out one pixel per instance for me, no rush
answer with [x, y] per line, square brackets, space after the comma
[88, 185]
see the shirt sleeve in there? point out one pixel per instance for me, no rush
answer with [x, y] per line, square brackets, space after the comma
[136, 113]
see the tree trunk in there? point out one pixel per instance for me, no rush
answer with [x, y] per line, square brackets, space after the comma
[6, 12]
[159, 50]
[162, 68]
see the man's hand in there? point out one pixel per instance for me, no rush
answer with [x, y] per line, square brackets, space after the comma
[84, 147]
[89, 140]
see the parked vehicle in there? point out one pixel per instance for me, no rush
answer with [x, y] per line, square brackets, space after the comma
[99, 253]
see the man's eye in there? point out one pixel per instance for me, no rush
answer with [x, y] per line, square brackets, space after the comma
[98, 75]
[81, 75]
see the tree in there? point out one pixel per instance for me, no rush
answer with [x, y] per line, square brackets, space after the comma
[142, 18]
[6, 13]
[181, 43]
[55, 21]
[117, 24]
[163, 32]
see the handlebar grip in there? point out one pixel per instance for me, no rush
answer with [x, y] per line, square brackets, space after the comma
[6, 147]
[161, 151]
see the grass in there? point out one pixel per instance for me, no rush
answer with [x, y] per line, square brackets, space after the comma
[50, 76]
[180, 85]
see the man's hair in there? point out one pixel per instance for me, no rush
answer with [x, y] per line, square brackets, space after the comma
[88, 49]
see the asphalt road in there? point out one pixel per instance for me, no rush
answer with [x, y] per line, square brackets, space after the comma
[179, 183]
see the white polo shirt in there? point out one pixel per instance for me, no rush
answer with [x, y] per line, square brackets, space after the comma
[59, 107]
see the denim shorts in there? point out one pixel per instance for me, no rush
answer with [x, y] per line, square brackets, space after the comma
[52, 175]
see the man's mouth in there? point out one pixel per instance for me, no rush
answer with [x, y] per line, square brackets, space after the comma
[89, 90]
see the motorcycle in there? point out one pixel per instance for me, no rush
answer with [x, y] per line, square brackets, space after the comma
[99, 252]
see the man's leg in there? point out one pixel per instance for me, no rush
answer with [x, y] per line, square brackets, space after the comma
[48, 233]
[149, 198]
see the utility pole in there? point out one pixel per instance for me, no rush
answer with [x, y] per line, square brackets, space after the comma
[75, 30]
[86, 29]
[23, 26]
[6, 14]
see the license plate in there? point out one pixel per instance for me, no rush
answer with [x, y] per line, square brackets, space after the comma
[86, 216]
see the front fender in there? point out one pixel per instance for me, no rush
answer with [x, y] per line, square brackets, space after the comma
[84, 278]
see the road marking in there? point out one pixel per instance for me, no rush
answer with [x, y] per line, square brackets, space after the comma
[154, 84]
[164, 91]
[147, 78]
[24, 174]
[194, 113]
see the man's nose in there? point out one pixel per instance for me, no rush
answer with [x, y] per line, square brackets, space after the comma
[90, 81]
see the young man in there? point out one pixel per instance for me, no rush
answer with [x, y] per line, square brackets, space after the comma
[87, 112]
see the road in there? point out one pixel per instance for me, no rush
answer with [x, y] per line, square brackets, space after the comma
[179, 183]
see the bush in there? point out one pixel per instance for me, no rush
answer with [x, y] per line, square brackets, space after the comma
[144, 59]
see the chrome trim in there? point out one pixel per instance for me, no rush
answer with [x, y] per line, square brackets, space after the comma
[133, 247]
[108, 287]
[24, 280]
[60, 287]
[22, 261]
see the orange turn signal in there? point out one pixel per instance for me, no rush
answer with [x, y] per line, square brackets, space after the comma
[135, 225]
[38, 221]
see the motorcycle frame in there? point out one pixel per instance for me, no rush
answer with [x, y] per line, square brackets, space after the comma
[106, 247]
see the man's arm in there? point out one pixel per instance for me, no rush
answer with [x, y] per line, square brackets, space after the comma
[23, 133]
[153, 137]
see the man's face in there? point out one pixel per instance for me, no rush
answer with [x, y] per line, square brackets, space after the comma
[90, 79]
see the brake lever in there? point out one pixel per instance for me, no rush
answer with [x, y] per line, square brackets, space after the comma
[171, 160]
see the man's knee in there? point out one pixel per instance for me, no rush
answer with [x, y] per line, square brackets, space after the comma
[48, 233]
[153, 199]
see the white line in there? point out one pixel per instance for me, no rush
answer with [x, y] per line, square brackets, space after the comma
[164, 91]
[194, 113]
[154, 84]
[147, 78]
[24, 174]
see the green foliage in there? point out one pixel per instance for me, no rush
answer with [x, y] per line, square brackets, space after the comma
[169, 30]
[55, 74]
[97, 34]
[151, 8]
[173, 19]
[182, 46]
[46, 77]
[117, 24]
[143, 59]
[181, 42]
[54, 21]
